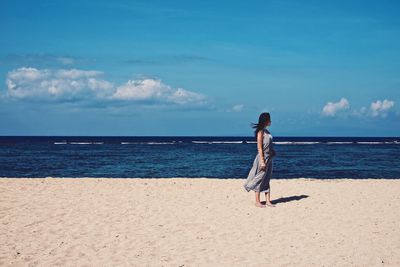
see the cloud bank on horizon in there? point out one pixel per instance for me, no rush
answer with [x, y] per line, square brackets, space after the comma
[63, 85]
[66, 85]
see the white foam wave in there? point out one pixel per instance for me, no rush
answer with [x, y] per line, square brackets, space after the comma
[340, 143]
[296, 143]
[148, 143]
[60, 143]
[86, 143]
[379, 143]
[161, 143]
[217, 142]
[370, 143]
[282, 143]
[227, 142]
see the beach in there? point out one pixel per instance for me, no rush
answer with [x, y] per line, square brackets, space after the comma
[198, 222]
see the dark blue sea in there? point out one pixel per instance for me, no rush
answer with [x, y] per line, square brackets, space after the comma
[196, 156]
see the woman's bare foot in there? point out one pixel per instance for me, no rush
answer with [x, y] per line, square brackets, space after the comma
[269, 204]
[258, 204]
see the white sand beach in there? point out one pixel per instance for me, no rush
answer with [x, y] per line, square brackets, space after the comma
[198, 222]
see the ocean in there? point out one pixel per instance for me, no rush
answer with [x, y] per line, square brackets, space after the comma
[196, 156]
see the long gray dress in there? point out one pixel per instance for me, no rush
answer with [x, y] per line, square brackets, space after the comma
[258, 180]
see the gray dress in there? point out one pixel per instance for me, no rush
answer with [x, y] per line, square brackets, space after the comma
[258, 180]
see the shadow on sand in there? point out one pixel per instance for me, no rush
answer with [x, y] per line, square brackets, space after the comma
[288, 199]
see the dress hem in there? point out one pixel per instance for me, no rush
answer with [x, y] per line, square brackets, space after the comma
[264, 191]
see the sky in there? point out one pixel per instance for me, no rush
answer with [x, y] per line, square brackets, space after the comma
[194, 68]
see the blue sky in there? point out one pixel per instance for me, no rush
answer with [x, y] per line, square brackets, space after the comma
[321, 68]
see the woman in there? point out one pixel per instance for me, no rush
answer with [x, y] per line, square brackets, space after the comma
[261, 172]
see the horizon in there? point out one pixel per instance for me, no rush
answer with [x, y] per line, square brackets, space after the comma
[246, 136]
[178, 68]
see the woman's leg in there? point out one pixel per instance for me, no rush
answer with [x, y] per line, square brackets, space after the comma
[268, 199]
[268, 178]
[258, 202]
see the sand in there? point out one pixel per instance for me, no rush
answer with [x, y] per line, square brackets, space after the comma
[198, 222]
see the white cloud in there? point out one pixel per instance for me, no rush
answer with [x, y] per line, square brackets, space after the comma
[238, 108]
[32, 83]
[330, 109]
[74, 84]
[381, 108]
[150, 89]
[27, 74]
[76, 74]
[377, 109]
[141, 90]
[182, 96]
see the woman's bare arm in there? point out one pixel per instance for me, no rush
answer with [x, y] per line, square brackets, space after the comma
[260, 137]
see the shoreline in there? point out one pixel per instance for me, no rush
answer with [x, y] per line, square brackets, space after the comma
[197, 178]
[198, 221]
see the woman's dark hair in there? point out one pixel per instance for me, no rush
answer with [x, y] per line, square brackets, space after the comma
[262, 122]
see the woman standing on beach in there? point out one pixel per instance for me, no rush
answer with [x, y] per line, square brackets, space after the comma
[261, 172]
